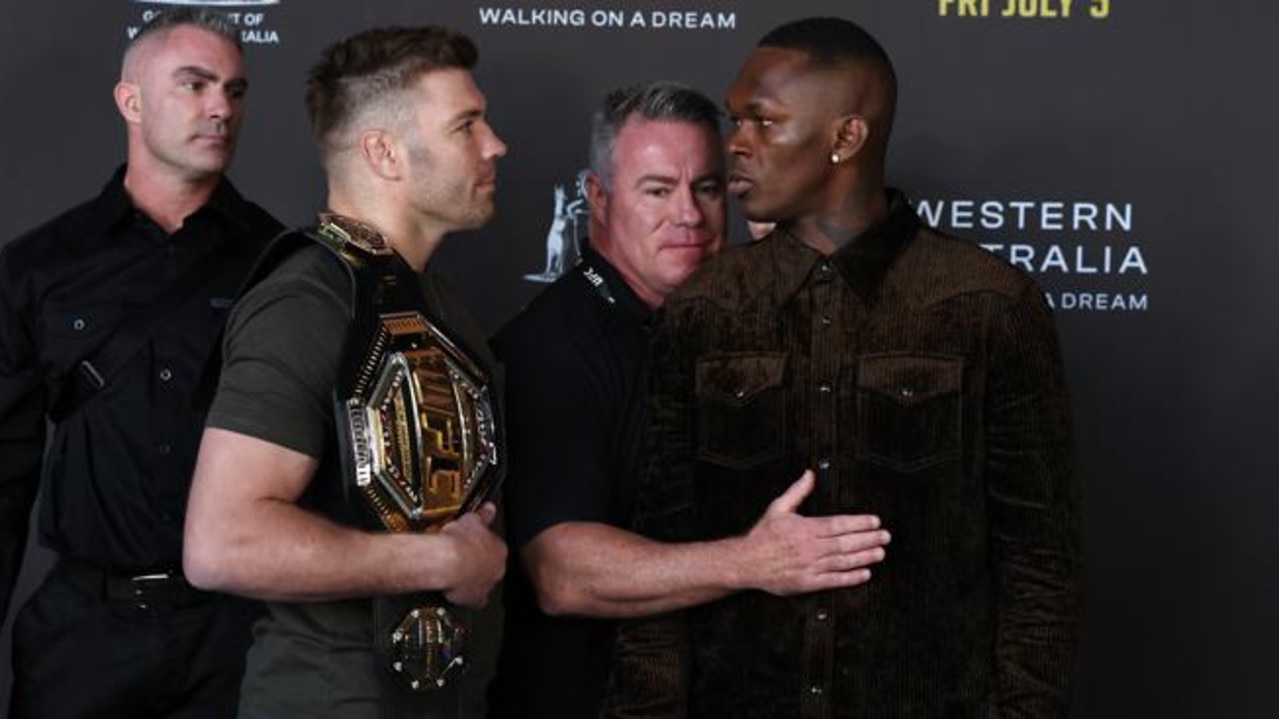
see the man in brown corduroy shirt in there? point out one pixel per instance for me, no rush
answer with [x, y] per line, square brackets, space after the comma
[917, 374]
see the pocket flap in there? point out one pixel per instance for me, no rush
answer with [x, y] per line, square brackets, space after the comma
[910, 379]
[736, 378]
[81, 321]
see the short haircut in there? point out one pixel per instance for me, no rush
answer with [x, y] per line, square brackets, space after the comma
[834, 42]
[372, 68]
[197, 17]
[829, 41]
[659, 100]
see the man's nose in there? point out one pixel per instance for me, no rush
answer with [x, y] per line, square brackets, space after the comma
[221, 104]
[687, 211]
[737, 143]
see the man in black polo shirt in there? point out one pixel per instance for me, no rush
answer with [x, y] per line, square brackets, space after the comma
[575, 368]
[107, 314]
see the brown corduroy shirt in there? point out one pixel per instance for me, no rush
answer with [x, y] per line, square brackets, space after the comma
[921, 378]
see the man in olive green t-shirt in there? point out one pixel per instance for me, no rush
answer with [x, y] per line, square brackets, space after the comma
[409, 158]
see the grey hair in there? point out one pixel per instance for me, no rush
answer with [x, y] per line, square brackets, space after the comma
[660, 100]
[198, 17]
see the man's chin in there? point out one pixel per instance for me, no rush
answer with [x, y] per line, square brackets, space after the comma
[477, 219]
[213, 162]
[755, 211]
[207, 170]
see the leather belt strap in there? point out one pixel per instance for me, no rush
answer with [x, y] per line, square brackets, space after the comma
[147, 590]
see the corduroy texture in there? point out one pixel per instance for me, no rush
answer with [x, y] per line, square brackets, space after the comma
[921, 377]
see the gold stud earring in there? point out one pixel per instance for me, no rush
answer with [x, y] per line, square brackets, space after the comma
[834, 158]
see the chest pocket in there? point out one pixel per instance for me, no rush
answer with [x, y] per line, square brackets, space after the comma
[741, 408]
[72, 332]
[909, 409]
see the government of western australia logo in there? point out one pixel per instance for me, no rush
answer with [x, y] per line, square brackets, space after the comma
[210, 3]
[252, 23]
[567, 231]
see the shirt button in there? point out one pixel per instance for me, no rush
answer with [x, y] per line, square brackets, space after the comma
[78, 324]
[826, 321]
[165, 448]
[166, 375]
[825, 388]
[815, 690]
[822, 615]
[823, 463]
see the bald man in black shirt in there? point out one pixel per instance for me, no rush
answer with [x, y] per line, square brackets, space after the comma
[107, 314]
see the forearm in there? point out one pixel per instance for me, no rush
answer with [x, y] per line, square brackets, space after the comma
[19, 481]
[1038, 637]
[245, 534]
[22, 443]
[598, 570]
[592, 569]
[1040, 610]
[275, 550]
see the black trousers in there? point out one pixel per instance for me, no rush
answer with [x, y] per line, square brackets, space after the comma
[91, 645]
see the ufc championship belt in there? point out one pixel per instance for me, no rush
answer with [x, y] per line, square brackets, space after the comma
[416, 421]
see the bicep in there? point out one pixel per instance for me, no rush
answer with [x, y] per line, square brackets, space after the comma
[569, 543]
[283, 345]
[234, 469]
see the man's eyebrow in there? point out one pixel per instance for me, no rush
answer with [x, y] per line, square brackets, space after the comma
[473, 113]
[655, 177]
[200, 72]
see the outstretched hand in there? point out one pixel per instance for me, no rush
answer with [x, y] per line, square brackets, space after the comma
[787, 553]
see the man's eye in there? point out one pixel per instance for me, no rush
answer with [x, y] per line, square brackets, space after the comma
[658, 191]
[764, 121]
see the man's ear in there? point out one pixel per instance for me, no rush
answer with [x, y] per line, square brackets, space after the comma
[128, 100]
[596, 196]
[851, 132]
[382, 153]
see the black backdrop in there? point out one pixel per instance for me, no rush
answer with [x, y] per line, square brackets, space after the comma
[1121, 150]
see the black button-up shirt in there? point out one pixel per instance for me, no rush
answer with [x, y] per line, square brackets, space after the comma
[920, 377]
[575, 418]
[117, 470]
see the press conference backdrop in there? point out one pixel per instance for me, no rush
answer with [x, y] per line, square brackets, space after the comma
[1121, 151]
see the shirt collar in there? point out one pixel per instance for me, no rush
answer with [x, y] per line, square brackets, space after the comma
[862, 263]
[229, 203]
[614, 286]
[113, 205]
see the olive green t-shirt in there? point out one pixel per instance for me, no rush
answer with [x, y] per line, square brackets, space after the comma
[284, 341]
[281, 354]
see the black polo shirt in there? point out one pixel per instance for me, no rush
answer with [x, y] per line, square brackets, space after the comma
[117, 471]
[575, 362]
